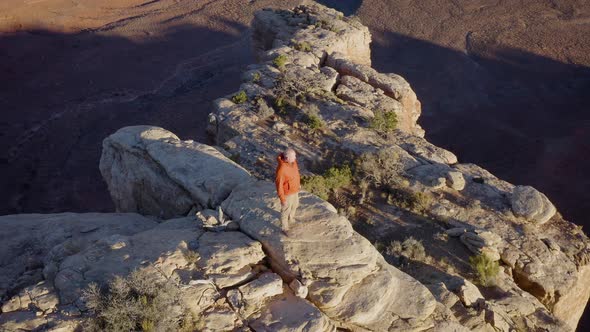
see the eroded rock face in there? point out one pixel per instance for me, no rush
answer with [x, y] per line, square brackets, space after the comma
[151, 171]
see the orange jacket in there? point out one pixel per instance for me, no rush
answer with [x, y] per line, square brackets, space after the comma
[287, 178]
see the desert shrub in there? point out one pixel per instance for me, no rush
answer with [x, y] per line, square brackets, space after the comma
[302, 46]
[315, 184]
[240, 97]
[137, 302]
[381, 168]
[410, 248]
[485, 268]
[332, 180]
[383, 122]
[313, 121]
[256, 77]
[417, 202]
[338, 177]
[279, 61]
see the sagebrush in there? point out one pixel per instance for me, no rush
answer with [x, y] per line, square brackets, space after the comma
[136, 303]
[332, 180]
[486, 268]
[383, 122]
[240, 97]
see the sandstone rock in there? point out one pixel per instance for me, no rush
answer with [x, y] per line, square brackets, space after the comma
[351, 281]
[39, 242]
[219, 318]
[198, 295]
[443, 295]
[227, 257]
[289, 313]
[421, 148]
[251, 297]
[150, 170]
[392, 85]
[272, 29]
[455, 180]
[470, 295]
[298, 288]
[529, 203]
[161, 249]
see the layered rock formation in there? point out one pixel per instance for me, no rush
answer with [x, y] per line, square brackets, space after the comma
[189, 215]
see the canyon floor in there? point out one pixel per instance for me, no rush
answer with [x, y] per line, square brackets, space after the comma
[503, 84]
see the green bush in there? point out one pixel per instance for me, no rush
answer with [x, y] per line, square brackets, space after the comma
[256, 77]
[136, 303]
[303, 46]
[383, 122]
[280, 61]
[315, 184]
[240, 97]
[486, 268]
[417, 202]
[338, 177]
[313, 121]
[332, 180]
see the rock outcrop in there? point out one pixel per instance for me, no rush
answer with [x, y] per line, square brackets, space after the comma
[204, 220]
[517, 226]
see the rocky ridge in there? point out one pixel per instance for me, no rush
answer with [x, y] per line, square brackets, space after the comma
[213, 227]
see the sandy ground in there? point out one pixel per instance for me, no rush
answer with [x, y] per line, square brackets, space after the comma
[503, 84]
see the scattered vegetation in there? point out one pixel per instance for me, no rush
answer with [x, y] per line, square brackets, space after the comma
[415, 201]
[381, 168]
[410, 248]
[486, 268]
[313, 121]
[240, 97]
[302, 46]
[332, 180]
[137, 303]
[280, 61]
[383, 122]
[256, 77]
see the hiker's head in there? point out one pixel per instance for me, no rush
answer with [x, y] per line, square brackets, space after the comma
[289, 155]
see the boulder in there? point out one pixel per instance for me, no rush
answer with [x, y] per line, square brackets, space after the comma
[529, 203]
[299, 289]
[227, 257]
[151, 171]
[469, 294]
[251, 297]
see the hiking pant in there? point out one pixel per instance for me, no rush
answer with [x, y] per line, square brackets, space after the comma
[288, 210]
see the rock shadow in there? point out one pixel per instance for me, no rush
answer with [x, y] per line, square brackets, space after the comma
[62, 94]
[347, 7]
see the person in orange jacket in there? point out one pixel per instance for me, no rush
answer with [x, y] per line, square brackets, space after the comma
[288, 186]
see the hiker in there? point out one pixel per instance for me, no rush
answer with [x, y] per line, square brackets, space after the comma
[288, 185]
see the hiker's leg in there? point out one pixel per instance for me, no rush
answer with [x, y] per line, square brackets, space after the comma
[285, 209]
[294, 206]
